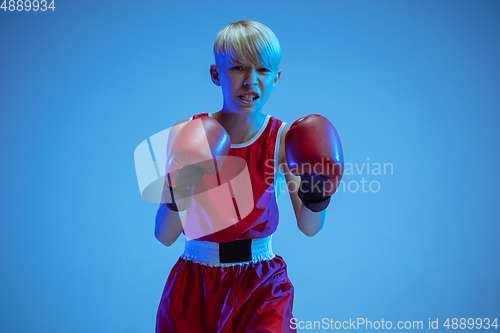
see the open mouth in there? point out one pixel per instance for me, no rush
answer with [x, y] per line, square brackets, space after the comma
[248, 98]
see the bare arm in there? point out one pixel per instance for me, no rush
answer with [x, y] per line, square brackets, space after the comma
[309, 222]
[169, 224]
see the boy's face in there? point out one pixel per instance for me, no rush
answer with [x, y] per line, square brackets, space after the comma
[245, 87]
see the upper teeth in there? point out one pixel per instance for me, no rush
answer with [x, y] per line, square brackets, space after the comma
[248, 97]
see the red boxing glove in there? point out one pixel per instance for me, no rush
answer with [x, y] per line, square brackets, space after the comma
[200, 148]
[313, 152]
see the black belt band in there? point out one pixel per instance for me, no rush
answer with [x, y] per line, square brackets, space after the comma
[237, 251]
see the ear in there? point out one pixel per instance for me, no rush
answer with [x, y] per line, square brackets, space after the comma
[214, 74]
[276, 79]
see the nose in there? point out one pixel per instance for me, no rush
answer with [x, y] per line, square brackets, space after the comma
[251, 79]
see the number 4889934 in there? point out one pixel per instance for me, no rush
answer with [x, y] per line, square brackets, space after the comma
[27, 5]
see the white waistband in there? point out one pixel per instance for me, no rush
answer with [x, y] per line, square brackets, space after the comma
[207, 253]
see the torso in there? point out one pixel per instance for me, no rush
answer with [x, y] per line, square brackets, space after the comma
[238, 131]
[256, 218]
[237, 138]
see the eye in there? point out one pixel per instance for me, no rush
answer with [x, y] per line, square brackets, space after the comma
[237, 68]
[264, 70]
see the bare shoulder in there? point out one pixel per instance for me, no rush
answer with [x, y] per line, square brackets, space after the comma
[174, 130]
[178, 125]
[281, 154]
[180, 122]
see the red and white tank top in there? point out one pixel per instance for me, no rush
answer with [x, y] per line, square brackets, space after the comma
[240, 202]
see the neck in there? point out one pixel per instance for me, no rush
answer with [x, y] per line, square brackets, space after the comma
[240, 127]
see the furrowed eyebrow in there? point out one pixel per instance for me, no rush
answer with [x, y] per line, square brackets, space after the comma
[233, 64]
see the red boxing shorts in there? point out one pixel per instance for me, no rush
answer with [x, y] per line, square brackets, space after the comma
[204, 295]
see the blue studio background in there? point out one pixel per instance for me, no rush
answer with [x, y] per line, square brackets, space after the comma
[410, 84]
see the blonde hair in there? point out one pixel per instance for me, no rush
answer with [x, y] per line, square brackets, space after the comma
[248, 42]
